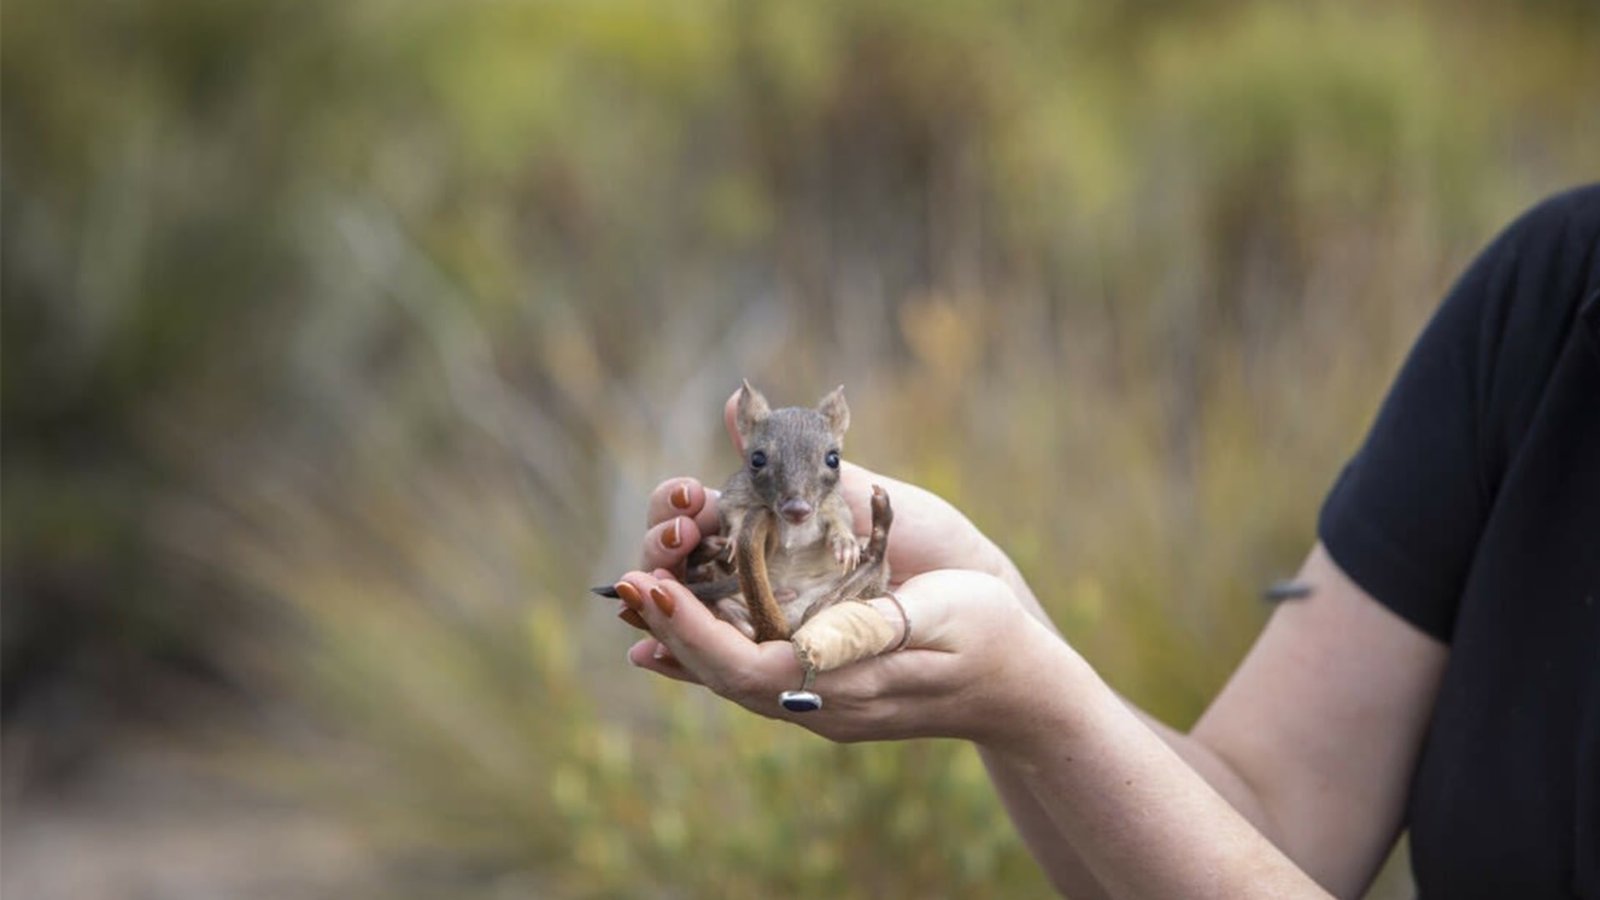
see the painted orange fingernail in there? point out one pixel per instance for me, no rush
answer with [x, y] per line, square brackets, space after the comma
[633, 618]
[664, 601]
[629, 595]
[680, 496]
[673, 536]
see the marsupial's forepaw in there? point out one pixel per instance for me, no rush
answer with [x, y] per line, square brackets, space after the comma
[709, 559]
[733, 611]
[712, 548]
[846, 550]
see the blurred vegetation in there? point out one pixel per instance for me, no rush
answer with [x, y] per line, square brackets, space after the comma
[342, 343]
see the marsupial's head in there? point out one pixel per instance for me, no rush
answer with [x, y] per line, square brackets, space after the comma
[793, 453]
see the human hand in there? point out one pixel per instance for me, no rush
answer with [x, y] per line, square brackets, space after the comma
[968, 670]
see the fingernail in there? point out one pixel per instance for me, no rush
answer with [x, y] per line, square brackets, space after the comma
[633, 618]
[664, 601]
[629, 595]
[673, 536]
[680, 497]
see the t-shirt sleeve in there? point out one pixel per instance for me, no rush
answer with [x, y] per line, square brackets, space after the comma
[1404, 517]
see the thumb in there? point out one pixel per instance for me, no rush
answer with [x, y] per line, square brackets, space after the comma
[947, 609]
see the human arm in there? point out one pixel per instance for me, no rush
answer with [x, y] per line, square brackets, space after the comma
[1313, 740]
[1274, 745]
[976, 669]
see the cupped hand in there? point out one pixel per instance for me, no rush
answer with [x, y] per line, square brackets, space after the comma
[966, 672]
[972, 639]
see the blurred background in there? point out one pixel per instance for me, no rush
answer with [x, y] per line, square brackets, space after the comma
[343, 342]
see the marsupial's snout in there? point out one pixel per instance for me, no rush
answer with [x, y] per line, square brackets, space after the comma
[795, 510]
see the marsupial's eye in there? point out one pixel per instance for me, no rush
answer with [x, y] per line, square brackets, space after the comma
[832, 459]
[758, 459]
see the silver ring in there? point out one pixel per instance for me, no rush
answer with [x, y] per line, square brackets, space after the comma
[905, 636]
[803, 700]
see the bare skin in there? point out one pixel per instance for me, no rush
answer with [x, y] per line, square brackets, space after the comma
[1291, 784]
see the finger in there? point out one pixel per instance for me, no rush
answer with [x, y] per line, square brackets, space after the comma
[709, 518]
[681, 622]
[943, 609]
[631, 617]
[677, 497]
[652, 655]
[713, 650]
[667, 544]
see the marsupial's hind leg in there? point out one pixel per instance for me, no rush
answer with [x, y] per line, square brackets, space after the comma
[871, 577]
[837, 633]
[877, 549]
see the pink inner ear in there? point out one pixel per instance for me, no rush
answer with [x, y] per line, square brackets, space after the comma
[752, 409]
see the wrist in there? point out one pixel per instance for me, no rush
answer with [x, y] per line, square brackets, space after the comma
[1040, 697]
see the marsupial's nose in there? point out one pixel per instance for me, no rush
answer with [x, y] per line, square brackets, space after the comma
[795, 510]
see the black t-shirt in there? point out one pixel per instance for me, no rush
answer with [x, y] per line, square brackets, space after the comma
[1473, 511]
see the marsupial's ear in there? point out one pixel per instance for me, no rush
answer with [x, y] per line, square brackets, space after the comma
[751, 410]
[836, 411]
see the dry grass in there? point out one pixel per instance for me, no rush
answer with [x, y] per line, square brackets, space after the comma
[390, 318]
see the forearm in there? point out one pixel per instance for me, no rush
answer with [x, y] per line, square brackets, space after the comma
[1049, 845]
[1045, 840]
[1130, 816]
